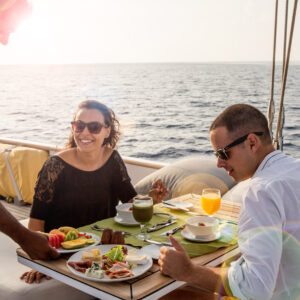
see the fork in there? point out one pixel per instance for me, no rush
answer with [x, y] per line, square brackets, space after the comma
[98, 228]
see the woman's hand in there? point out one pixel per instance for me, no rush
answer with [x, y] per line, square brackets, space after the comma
[32, 276]
[158, 191]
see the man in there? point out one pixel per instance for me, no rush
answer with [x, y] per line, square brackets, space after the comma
[269, 229]
[35, 244]
[12, 12]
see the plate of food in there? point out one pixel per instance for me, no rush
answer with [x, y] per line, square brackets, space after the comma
[67, 239]
[109, 263]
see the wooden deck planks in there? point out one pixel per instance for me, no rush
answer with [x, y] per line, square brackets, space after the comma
[19, 212]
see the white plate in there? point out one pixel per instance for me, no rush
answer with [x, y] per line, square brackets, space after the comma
[197, 238]
[139, 270]
[179, 205]
[119, 220]
[153, 250]
[94, 236]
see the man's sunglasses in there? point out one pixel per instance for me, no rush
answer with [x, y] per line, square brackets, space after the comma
[93, 127]
[221, 153]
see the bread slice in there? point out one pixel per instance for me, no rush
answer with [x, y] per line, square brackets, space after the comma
[94, 255]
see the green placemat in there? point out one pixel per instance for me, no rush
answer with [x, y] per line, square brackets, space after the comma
[228, 233]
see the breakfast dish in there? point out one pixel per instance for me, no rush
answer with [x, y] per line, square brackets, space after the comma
[126, 222]
[200, 238]
[95, 239]
[109, 263]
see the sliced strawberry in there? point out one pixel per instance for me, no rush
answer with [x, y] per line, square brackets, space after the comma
[57, 242]
[61, 238]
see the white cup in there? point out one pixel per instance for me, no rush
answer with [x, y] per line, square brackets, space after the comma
[125, 212]
[202, 225]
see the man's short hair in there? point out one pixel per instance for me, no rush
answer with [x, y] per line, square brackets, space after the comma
[240, 119]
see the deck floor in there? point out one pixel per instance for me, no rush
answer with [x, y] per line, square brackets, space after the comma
[19, 212]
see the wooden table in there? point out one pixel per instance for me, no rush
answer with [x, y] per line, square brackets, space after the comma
[151, 285]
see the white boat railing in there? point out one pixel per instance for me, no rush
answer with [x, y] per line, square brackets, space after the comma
[137, 168]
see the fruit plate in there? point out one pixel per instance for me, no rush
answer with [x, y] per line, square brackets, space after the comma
[137, 271]
[93, 236]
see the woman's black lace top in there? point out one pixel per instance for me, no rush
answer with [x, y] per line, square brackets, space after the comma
[67, 196]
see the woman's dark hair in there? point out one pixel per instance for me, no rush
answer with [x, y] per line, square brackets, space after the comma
[109, 120]
[240, 119]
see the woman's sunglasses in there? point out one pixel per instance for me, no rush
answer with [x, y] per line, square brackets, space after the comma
[93, 127]
[221, 153]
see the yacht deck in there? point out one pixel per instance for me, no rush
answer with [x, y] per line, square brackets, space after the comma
[20, 212]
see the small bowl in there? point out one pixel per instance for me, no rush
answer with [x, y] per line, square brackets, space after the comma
[124, 211]
[210, 225]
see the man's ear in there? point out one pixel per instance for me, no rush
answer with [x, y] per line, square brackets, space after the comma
[254, 142]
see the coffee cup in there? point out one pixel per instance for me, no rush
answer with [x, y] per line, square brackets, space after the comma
[125, 212]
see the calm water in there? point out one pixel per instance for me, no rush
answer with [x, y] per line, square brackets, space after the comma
[165, 109]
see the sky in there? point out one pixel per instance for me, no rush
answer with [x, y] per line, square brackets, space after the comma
[147, 31]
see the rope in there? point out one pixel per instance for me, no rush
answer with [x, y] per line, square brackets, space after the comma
[280, 135]
[271, 102]
[285, 35]
[286, 65]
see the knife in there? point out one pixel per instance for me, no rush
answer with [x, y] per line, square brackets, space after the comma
[160, 226]
[158, 243]
[172, 231]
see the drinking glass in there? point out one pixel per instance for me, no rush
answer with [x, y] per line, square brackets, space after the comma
[211, 200]
[142, 212]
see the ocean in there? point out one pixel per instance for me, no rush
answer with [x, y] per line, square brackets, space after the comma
[165, 109]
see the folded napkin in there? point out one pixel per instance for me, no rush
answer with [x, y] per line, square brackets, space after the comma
[228, 233]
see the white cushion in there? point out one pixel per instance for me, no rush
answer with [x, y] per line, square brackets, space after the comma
[13, 288]
[189, 175]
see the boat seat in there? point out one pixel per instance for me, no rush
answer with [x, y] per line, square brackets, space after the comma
[187, 176]
[13, 288]
[19, 168]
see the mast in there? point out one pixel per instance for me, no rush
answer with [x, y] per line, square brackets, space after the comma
[284, 77]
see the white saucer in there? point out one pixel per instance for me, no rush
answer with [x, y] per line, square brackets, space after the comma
[178, 205]
[119, 220]
[198, 238]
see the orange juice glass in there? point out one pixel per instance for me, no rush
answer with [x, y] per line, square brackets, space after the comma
[211, 200]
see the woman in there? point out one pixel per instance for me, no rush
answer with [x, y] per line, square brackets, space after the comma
[84, 183]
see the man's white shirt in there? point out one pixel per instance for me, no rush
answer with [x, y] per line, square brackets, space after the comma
[269, 233]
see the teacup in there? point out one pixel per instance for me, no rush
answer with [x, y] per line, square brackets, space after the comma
[202, 225]
[125, 212]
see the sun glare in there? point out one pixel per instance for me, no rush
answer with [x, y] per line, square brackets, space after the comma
[37, 37]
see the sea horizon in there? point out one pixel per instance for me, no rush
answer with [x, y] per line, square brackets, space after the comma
[165, 109]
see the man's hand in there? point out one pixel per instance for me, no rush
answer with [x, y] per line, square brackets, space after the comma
[158, 191]
[175, 263]
[37, 246]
